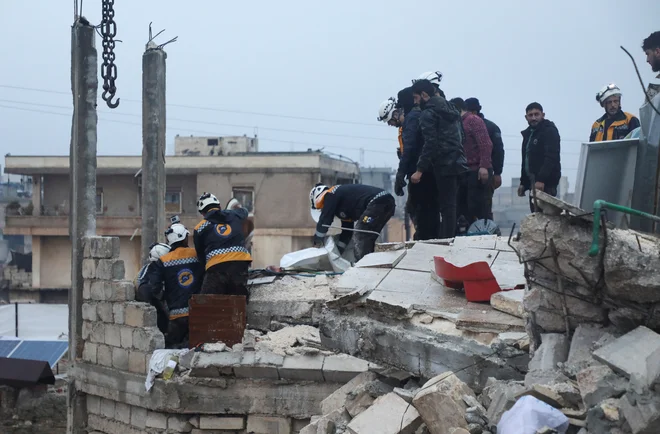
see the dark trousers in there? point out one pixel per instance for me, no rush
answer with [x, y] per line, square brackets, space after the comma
[227, 278]
[489, 198]
[552, 191]
[177, 333]
[423, 203]
[473, 197]
[447, 191]
[374, 218]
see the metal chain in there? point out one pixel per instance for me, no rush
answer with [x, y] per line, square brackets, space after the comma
[109, 69]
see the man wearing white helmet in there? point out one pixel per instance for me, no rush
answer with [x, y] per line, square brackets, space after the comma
[615, 124]
[220, 245]
[144, 292]
[368, 208]
[392, 115]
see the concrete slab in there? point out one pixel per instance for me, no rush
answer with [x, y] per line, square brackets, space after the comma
[553, 350]
[387, 415]
[510, 302]
[358, 278]
[579, 355]
[405, 281]
[381, 259]
[420, 257]
[461, 257]
[439, 298]
[481, 318]
[302, 368]
[342, 368]
[634, 354]
[476, 242]
[338, 399]
[502, 244]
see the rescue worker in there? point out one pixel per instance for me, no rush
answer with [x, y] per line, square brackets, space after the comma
[651, 47]
[435, 78]
[358, 206]
[388, 113]
[220, 245]
[143, 290]
[615, 124]
[181, 273]
[442, 152]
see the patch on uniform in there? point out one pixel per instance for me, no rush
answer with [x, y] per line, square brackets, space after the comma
[185, 278]
[342, 214]
[367, 219]
[223, 230]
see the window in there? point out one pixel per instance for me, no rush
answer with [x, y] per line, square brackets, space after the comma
[99, 201]
[212, 142]
[245, 195]
[173, 202]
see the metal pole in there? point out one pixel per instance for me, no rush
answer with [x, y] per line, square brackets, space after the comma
[153, 148]
[82, 214]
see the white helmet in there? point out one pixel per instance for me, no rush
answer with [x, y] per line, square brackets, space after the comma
[386, 110]
[177, 232]
[316, 194]
[157, 250]
[433, 77]
[606, 92]
[233, 203]
[205, 200]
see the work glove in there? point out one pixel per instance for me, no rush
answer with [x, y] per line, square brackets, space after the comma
[399, 183]
[318, 241]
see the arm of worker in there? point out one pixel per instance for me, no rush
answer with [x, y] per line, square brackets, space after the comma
[345, 236]
[551, 158]
[240, 213]
[427, 124]
[326, 219]
[151, 286]
[498, 150]
[409, 137]
[199, 247]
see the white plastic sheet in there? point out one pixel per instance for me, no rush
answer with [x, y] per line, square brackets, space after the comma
[157, 364]
[325, 258]
[529, 415]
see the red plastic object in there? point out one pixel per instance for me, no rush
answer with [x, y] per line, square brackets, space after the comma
[476, 278]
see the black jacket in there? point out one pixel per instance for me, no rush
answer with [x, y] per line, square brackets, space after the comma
[181, 274]
[544, 159]
[412, 142]
[219, 237]
[497, 156]
[442, 152]
[348, 202]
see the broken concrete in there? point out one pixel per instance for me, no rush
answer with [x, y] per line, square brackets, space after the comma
[388, 415]
[502, 396]
[598, 383]
[642, 412]
[553, 350]
[484, 319]
[338, 399]
[510, 302]
[584, 339]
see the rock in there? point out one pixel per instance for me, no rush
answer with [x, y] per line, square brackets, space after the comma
[598, 383]
[579, 354]
[328, 424]
[215, 348]
[474, 416]
[388, 415]
[606, 416]
[474, 428]
[553, 350]
[338, 399]
[440, 403]
[406, 395]
[358, 402]
[510, 302]
[558, 395]
[426, 319]
[641, 412]
[544, 377]
[471, 401]
[503, 397]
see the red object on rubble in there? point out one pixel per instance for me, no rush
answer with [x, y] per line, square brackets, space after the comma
[477, 279]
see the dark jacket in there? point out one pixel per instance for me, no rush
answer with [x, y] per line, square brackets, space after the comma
[412, 142]
[219, 237]
[347, 202]
[616, 128]
[442, 152]
[495, 134]
[543, 156]
[181, 274]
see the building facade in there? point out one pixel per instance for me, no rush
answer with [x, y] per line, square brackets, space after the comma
[273, 186]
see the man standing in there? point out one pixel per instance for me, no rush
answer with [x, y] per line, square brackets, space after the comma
[145, 292]
[473, 190]
[442, 152]
[615, 124]
[651, 47]
[497, 156]
[541, 166]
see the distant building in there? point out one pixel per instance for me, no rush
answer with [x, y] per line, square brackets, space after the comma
[214, 146]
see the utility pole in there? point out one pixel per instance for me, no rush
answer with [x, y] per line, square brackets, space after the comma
[82, 213]
[153, 143]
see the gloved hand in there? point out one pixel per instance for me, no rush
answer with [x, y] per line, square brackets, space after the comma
[318, 241]
[398, 153]
[399, 183]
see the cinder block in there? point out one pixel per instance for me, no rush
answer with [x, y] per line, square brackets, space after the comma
[112, 336]
[119, 313]
[120, 358]
[140, 315]
[93, 404]
[219, 422]
[97, 290]
[104, 356]
[148, 339]
[156, 420]
[268, 425]
[89, 312]
[89, 352]
[342, 368]
[89, 268]
[110, 269]
[101, 247]
[139, 417]
[87, 290]
[178, 424]
[257, 364]
[119, 290]
[123, 413]
[302, 368]
[97, 334]
[108, 408]
[104, 311]
[137, 362]
[126, 334]
[87, 329]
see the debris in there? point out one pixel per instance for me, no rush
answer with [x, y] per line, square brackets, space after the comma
[553, 350]
[598, 383]
[579, 354]
[510, 302]
[440, 403]
[485, 319]
[529, 415]
[338, 399]
[347, 299]
[381, 259]
[217, 347]
[641, 412]
[406, 395]
[502, 397]
[607, 416]
[426, 319]
[277, 342]
[388, 415]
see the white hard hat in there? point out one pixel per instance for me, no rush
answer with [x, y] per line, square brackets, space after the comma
[316, 193]
[233, 203]
[205, 200]
[433, 77]
[158, 250]
[386, 110]
[606, 92]
[176, 233]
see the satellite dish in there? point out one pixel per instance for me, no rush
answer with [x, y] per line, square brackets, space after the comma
[483, 227]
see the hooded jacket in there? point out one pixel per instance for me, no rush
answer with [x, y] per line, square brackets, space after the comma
[540, 155]
[219, 237]
[442, 152]
[412, 142]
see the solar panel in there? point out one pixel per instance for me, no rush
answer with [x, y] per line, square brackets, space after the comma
[47, 351]
[6, 347]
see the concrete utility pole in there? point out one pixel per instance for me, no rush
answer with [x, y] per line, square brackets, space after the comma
[82, 175]
[153, 146]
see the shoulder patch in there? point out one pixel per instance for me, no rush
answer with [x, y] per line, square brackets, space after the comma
[201, 225]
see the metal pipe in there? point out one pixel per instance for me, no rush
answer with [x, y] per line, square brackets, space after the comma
[598, 206]
[352, 230]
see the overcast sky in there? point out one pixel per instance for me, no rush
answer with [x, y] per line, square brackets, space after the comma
[271, 66]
